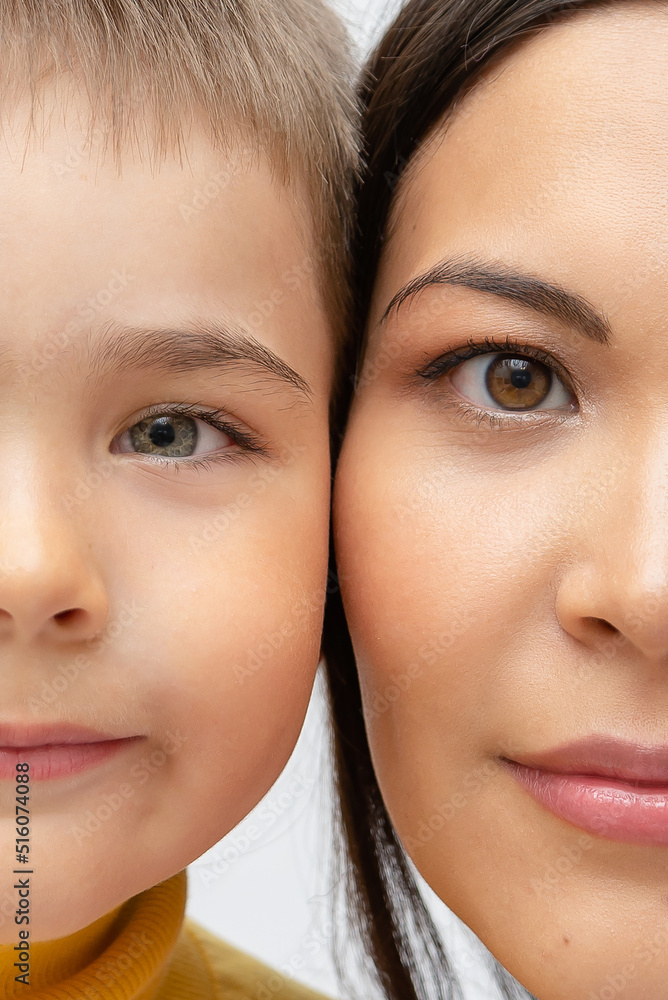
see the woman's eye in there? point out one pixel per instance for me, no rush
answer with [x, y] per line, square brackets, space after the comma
[509, 382]
[173, 435]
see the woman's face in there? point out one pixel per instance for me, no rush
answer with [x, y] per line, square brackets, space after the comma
[502, 510]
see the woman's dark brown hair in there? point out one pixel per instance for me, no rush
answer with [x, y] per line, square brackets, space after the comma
[431, 54]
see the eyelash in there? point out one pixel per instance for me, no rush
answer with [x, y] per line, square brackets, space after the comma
[451, 359]
[246, 440]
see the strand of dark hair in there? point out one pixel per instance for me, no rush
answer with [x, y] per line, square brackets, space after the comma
[391, 918]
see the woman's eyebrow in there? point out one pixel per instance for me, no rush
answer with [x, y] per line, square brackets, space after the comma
[525, 289]
[120, 349]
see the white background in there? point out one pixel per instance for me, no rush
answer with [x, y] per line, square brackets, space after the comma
[266, 887]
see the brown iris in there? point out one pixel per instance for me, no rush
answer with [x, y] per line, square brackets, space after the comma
[518, 383]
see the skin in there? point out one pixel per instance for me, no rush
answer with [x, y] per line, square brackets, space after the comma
[505, 575]
[195, 593]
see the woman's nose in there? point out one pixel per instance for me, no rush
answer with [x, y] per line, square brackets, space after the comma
[50, 587]
[615, 587]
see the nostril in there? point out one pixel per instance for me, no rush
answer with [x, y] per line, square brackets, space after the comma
[603, 636]
[602, 626]
[69, 616]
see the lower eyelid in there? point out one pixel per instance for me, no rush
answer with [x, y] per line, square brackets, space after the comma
[195, 463]
[507, 420]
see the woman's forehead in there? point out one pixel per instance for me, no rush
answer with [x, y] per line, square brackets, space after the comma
[595, 80]
[552, 152]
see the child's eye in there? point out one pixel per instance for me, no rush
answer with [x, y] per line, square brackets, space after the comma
[173, 435]
[509, 382]
[178, 432]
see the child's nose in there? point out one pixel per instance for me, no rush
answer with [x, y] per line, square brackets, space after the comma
[50, 588]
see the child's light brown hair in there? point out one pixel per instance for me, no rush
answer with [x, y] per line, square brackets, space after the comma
[272, 75]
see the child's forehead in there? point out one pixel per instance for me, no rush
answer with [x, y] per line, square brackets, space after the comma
[92, 240]
[65, 169]
[62, 129]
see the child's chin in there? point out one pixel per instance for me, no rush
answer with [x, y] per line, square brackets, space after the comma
[67, 895]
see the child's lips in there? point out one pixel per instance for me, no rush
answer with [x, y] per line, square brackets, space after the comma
[57, 750]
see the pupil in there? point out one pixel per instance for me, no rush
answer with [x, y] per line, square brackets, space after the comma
[162, 432]
[520, 377]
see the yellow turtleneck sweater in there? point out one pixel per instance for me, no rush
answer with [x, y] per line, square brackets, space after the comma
[145, 950]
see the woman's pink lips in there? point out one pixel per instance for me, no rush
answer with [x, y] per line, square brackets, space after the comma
[609, 787]
[55, 751]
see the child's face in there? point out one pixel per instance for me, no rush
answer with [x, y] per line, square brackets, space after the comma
[162, 579]
[502, 528]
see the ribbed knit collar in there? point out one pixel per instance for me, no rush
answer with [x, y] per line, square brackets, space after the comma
[122, 956]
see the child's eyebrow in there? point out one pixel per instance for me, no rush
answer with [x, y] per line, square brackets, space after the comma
[120, 349]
